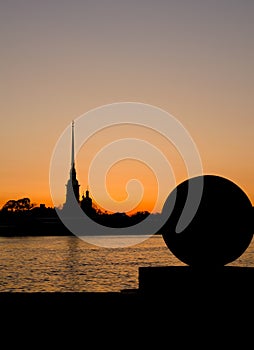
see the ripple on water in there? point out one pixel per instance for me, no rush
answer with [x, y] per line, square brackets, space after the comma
[68, 264]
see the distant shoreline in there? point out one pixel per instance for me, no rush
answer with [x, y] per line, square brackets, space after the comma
[46, 222]
[55, 234]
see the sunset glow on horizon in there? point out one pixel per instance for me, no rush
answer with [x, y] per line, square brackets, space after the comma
[60, 59]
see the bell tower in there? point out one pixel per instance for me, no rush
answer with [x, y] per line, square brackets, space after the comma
[72, 186]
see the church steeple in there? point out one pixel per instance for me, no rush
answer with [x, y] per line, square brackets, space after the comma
[73, 175]
[72, 185]
[72, 145]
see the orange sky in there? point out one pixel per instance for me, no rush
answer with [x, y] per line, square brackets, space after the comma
[193, 59]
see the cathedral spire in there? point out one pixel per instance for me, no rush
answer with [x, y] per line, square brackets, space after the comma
[72, 185]
[72, 170]
[72, 145]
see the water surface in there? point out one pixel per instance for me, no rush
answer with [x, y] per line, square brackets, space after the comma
[69, 264]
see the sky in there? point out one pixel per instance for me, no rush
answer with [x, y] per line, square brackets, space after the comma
[61, 59]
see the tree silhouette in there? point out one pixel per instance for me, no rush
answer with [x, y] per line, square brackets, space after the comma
[20, 205]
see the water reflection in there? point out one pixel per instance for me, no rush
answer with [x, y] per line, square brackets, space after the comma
[69, 264]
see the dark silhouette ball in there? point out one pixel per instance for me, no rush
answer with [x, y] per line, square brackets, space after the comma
[221, 228]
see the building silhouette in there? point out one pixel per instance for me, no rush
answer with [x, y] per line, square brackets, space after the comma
[72, 186]
[87, 204]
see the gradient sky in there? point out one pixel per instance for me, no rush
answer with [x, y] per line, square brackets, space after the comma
[60, 59]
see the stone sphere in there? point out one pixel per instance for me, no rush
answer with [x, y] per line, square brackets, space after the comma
[221, 228]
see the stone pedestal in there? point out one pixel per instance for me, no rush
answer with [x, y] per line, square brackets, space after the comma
[183, 282]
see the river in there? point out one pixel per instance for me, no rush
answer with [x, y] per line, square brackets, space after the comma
[70, 264]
